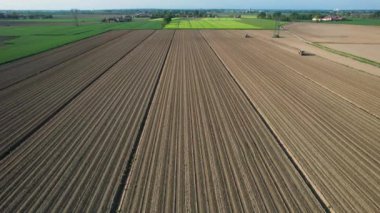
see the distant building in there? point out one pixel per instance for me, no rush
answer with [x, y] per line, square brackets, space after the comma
[118, 19]
[328, 18]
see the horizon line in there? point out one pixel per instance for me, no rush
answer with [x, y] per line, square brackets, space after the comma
[187, 9]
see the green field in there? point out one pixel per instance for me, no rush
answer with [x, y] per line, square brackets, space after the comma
[28, 40]
[264, 24]
[220, 23]
[57, 20]
[20, 41]
[359, 21]
[67, 19]
[353, 21]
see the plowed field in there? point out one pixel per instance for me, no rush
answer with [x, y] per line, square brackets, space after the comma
[333, 140]
[177, 121]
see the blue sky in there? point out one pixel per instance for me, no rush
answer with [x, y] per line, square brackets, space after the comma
[189, 4]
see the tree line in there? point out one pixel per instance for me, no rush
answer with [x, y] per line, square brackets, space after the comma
[21, 16]
[183, 13]
[294, 16]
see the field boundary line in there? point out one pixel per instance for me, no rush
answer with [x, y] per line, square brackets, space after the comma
[117, 201]
[35, 129]
[331, 42]
[346, 54]
[56, 47]
[68, 59]
[316, 192]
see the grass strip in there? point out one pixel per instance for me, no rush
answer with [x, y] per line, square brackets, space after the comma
[347, 55]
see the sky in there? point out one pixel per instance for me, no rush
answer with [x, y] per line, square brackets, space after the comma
[187, 4]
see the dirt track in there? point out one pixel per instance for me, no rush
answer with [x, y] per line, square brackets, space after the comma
[335, 142]
[190, 121]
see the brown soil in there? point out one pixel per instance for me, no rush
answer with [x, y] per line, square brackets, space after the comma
[291, 42]
[19, 70]
[205, 147]
[183, 121]
[331, 133]
[337, 33]
[369, 51]
[74, 162]
[27, 105]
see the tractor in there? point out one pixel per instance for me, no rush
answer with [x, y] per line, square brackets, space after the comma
[301, 52]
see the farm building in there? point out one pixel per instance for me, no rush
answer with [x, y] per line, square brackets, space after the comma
[328, 18]
[118, 19]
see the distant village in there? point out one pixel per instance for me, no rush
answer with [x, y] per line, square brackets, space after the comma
[128, 18]
[328, 18]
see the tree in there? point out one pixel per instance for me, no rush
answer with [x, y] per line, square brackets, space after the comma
[376, 14]
[167, 20]
[262, 15]
[277, 15]
[317, 15]
[294, 16]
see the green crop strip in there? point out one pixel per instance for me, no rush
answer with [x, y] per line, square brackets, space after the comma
[221, 23]
[24, 41]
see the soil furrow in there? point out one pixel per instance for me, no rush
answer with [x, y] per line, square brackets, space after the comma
[82, 152]
[198, 104]
[119, 194]
[335, 142]
[35, 100]
[316, 192]
[17, 71]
